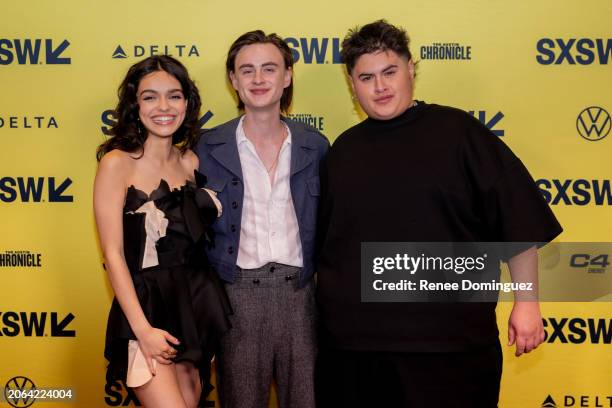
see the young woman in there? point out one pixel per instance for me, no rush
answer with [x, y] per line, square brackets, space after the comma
[153, 221]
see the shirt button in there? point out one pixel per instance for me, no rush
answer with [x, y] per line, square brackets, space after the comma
[256, 281]
[230, 250]
[234, 205]
[233, 228]
[272, 269]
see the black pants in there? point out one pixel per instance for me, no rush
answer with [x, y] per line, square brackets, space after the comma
[408, 380]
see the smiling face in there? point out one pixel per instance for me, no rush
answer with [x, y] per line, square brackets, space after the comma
[161, 103]
[383, 84]
[260, 76]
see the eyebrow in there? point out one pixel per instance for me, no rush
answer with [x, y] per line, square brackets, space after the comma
[385, 69]
[265, 64]
[154, 91]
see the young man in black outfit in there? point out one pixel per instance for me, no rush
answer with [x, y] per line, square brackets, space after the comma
[417, 172]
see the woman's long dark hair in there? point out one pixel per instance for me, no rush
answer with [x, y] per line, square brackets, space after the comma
[128, 133]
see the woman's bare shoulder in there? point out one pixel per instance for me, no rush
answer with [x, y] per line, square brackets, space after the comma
[190, 161]
[116, 162]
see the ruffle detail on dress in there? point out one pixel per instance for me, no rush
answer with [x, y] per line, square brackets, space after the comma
[180, 294]
[155, 228]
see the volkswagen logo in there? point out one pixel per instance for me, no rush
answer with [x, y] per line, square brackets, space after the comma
[13, 392]
[593, 123]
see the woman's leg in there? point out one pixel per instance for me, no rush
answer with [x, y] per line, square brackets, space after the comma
[189, 383]
[162, 390]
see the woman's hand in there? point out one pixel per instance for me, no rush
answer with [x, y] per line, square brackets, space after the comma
[154, 344]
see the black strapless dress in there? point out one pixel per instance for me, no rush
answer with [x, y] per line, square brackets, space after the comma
[164, 235]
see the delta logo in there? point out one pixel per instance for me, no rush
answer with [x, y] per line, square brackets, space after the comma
[34, 51]
[582, 401]
[28, 122]
[141, 51]
[572, 51]
[549, 402]
[319, 50]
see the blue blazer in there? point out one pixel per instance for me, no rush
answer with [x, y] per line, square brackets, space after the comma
[220, 162]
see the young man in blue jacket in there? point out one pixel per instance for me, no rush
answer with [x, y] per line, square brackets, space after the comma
[265, 170]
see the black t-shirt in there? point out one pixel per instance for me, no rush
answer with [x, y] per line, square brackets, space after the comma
[432, 174]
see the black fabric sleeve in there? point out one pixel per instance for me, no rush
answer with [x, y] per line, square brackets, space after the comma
[516, 210]
[513, 207]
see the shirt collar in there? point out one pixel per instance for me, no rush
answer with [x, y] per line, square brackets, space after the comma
[241, 136]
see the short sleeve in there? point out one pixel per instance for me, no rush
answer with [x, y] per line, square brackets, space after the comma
[513, 208]
[516, 210]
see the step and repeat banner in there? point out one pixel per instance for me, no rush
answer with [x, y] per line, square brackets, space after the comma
[537, 73]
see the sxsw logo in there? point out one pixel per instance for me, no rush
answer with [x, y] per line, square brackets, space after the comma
[118, 394]
[315, 50]
[33, 51]
[584, 51]
[577, 330]
[593, 123]
[30, 189]
[490, 121]
[36, 324]
[109, 118]
[137, 51]
[575, 192]
[578, 401]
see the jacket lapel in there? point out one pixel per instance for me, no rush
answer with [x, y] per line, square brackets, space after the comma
[300, 150]
[226, 153]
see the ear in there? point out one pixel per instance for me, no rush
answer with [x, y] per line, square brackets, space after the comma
[233, 80]
[352, 82]
[411, 68]
[288, 76]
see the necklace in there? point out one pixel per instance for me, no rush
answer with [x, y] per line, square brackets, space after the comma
[275, 162]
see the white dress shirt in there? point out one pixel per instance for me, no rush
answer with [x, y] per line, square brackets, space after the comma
[269, 229]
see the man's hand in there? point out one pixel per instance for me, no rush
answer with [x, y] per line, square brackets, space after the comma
[525, 327]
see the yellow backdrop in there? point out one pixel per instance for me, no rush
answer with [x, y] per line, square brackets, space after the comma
[528, 69]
